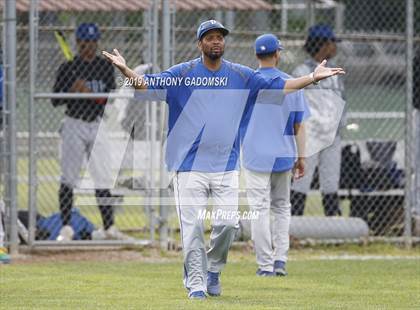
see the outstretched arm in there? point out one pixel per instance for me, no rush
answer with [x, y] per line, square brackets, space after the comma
[117, 60]
[321, 72]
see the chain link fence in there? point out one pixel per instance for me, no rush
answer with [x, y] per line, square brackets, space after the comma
[373, 173]
[56, 134]
[372, 50]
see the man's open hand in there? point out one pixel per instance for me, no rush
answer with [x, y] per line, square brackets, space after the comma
[116, 59]
[322, 72]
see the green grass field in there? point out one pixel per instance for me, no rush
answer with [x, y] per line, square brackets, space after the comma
[143, 284]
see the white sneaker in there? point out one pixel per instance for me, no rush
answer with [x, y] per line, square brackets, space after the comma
[66, 234]
[98, 234]
[113, 233]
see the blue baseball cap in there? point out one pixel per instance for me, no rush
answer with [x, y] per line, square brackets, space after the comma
[322, 32]
[88, 32]
[266, 44]
[210, 25]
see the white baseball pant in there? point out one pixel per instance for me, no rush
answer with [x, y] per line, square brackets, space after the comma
[270, 232]
[328, 162]
[77, 141]
[192, 191]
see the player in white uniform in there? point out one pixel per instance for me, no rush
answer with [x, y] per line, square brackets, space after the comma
[325, 101]
[269, 155]
[86, 73]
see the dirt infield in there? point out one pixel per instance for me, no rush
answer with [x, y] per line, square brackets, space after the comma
[239, 252]
[102, 255]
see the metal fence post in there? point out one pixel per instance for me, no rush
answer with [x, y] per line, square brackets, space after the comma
[339, 17]
[166, 54]
[153, 119]
[33, 39]
[310, 11]
[284, 16]
[409, 120]
[10, 128]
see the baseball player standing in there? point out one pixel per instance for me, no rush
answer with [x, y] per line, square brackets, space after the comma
[269, 155]
[322, 98]
[209, 167]
[87, 73]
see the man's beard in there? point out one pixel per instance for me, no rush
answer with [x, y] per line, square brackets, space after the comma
[213, 55]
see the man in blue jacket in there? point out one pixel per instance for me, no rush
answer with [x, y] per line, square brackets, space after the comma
[209, 100]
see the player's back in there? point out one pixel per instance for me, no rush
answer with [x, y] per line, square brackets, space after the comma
[269, 144]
